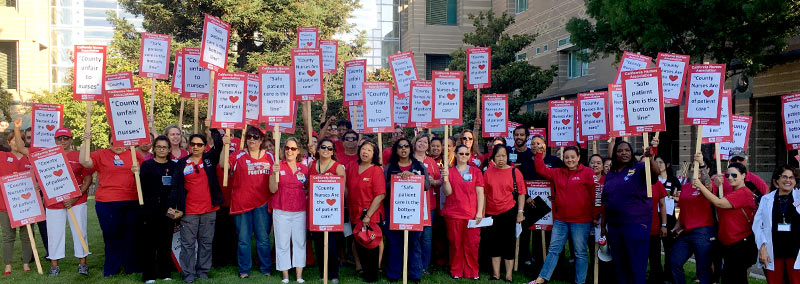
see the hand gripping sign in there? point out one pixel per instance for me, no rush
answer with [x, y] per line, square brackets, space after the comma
[644, 105]
[421, 114]
[378, 107]
[673, 75]
[561, 122]
[703, 93]
[307, 65]
[196, 79]
[126, 116]
[121, 80]
[355, 73]
[307, 37]
[214, 49]
[790, 113]
[21, 199]
[406, 201]
[277, 95]
[229, 100]
[724, 131]
[325, 203]
[154, 60]
[741, 135]
[253, 102]
[479, 68]
[47, 119]
[330, 55]
[447, 97]
[89, 72]
[403, 70]
[55, 176]
[495, 115]
[631, 61]
[592, 116]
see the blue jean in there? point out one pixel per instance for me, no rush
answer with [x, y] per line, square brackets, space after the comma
[578, 234]
[697, 242]
[629, 243]
[427, 245]
[120, 223]
[254, 222]
[394, 269]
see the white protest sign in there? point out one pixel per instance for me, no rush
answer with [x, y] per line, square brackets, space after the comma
[479, 67]
[401, 108]
[495, 115]
[355, 73]
[741, 135]
[126, 116]
[88, 72]
[378, 107]
[196, 79]
[47, 119]
[21, 199]
[592, 116]
[214, 49]
[55, 176]
[541, 188]
[723, 131]
[308, 74]
[177, 74]
[561, 122]
[276, 94]
[325, 198]
[644, 104]
[356, 114]
[403, 70]
[790, 113]
[253, 103]
[704, 90]
[616, 107]
[406, 202]
[154, 59]
[330, 56]
[307, 37]
[121, 80]
[631, 61]
[421, 114]
[229, 100]
[673, 74]
[447, 97]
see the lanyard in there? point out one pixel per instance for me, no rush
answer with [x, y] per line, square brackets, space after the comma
[782, 206]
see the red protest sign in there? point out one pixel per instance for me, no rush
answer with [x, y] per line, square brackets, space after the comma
[644, 105]
[176, 86]
[479, 67]
[307, 37]
[631, 61]
[252, 106]
[55, 176]
[307, 65]
[196, 79]
[673, 75]
[561, 122]
[543, 189]
[325, 203]
[47, 118]
[229, 100]
[214, 44]
[790, 114]
[401, 105]
[495, 115]
[88, 72]
[154, 56]
[330, 55]
[21, 199]
[121, 80]
[406, 202]
[724, 131]
[277, 96]
[592, 116]
[741, 135]
[703, 92]
[126, 116]
[355, 73]
[403, 70]
[421, 114]
[539, 131]
[378, 107]
[447, 97]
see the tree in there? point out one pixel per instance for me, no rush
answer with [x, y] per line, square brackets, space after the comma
[5, 102]
[520, 80]
[745, 35]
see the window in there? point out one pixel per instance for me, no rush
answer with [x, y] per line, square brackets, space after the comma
[522, 6]
[435, 62]
[8, 3]
[8, 64]
[538, 50]
[522, 56]
[563, 41]
[545, 47]
[576, 68]
[441, 12]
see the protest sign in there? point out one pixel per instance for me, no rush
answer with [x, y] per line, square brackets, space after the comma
[277, 97]
[229, 100]
[447, 97]
[214, 49]
[703, 93]
[330, 55]
[790, 113]
[22, 200]
[479, 68]
[285, 127]
[196, 79]
[592, 116]
[673, 75]
[55, 176]
[421, 114]
[378, 107]
[401, 108]
[406, 202]
[644, 106]
[495, 115]
[724, 131]
[307, 37]
[741, 135]
[253, 105]
[631, 61]
[355, 73]
[403, 70]
[307, 65]
[356, 114]
[616, 111]
[126, 117]
[325, 197]
[561, 122]
[88, 72]
[543, 189]
[154, 56]
[121, 80]
[176, 86]
[47, 119]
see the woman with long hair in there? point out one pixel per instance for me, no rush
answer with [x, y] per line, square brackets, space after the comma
[325, 163]
[175, 136]
[469, 140]
[777, 228]
[365, 193]
[505, 196]
[289, 204]
[156, 179]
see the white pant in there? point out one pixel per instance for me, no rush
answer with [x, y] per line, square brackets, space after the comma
[289, 226]
[56, 225]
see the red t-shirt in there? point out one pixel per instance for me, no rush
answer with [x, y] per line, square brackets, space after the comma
[575, 191]
[345, 159]
[499, 189]
[331, 170]
[751, 177]
[198, 193]
[291, 194]
[73, 159]
[8, 165]
[362, 188]
[433, 171]
[659, 192]
[114, 176]
[250, 181]
[463, 202]
[24, 164]
[696, 210]
[735, 223]
[387, 154]
[184, 153]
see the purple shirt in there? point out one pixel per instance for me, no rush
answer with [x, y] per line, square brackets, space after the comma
[625, 196]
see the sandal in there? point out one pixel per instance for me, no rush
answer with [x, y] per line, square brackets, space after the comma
[243, 276]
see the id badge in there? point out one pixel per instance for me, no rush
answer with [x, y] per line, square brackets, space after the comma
[513, 157]
[784, 227]
[467, 177]
[166, 180]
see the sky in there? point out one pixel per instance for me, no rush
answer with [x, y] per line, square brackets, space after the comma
[365, 18]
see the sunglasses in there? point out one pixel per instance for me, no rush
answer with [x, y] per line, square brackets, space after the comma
[287, 148]
[404, 146]
[466, 138]
[731, 175]
[326, 147]
[254, 137]
[193, 144]
[464, 154]
[351, 139]
[63, 138]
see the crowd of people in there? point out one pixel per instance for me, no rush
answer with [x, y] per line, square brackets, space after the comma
[266, 194]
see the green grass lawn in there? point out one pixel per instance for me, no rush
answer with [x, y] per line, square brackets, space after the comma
[69, 272]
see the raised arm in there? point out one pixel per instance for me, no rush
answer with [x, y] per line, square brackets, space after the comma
[718, 202]
[542, 169]
[18, 142]
[85, 159]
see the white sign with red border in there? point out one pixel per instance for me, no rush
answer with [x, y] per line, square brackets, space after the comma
[229, 100]
[307, 37]
[126, 116]
[724, 131]
[790, 113]
[378, 107]
[401, 107]
[355, 73]
[47, 118]
[176, 86]
[495, 115]
[253, 104]
[631, 61]
[703, 93]
[330, 55]
[741, 135]
[277, 94]
[644, 104]
[21, 199]
[592, 116]
[55, 176]
[307, 63]
[616, 111]
[561, 122]
[89, 72]
[154, 59]
[121, 80]
[356, 114]
[196, 79]
[673, 75]
[325, 199]
[479, 67]
[542, 188]
[447, 97]
[421, 114]
[403, 70]
[406, 202]
[214, 49]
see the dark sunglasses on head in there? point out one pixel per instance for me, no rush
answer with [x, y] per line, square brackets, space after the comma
[404, 146]
[731, 175]
[254, 137]
[351, 138]
[466, 138]
[326, 147]
[287, 148]
[193, 144]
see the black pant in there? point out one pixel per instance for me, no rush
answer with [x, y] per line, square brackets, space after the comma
[43, 232]
[656, 270]
[501, 236]
[157, 253]
[225, 243]
[369, 263]
[333, 254]
[737, 258]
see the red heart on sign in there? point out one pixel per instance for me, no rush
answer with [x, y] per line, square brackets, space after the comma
[405, 107]
[708, 93]
[481, 66]
[253, 98]
[407, 72]
[233, 99]
[311, 73]
[451, 96]
[308, 43]
[673, 77]
[498, 114]
[331, 201]
[58, 172]
[426, 102]
[50, 127]
[596, 114]
[565, 121]
[26, 195]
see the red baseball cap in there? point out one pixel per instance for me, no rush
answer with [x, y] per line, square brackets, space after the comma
[369, 237]
[63, 132]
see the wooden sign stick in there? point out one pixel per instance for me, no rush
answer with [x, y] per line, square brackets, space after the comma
[276, 135]
[211, 91]
[405, 256]
[516, 253]
[325, 259]
[698, 144]
[33, 247]
[152, 104]
[307, 119]
[196, 116]
[647, 176]
[544, 245]
[87, 144]
[478, 106]
[446, 150]
[242, 140]
[78, 230]
[180, 115]
[719, 167]
[226, 151]
[596, 264]
[380, 148]
[136, 175]
[594, 146]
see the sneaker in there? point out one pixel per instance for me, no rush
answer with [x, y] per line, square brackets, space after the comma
[150, 281]
[54, 271]
[83, 269]
[286, 280]
[335, 281]
[167, 279]
[300, 280]
[476, 278]
[528, 263]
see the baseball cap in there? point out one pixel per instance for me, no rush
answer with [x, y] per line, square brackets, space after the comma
[63, 132]
[368, 237]
[737, 152]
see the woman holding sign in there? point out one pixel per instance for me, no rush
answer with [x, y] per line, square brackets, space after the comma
[325, 164]
[9, 164]
[504, 204]
[421, 143]
[156, 188]
[365, 193]
[463, 186]
[777, 228]
[289, 204]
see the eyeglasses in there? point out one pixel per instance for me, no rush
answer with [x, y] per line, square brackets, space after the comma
[63, 138]
[254, 137]
[193, 144]
[786, 177]
[161, 147]
[287, 148]
[403, 146]
[731, 175]
[326, 147]
[350, 139]
[466, 138]
[397, 133]
[464, 154]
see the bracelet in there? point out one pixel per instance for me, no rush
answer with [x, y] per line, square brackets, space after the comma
[663, 225]
[520, 211]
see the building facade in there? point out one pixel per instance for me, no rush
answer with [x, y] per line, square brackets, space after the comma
[24, 48]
